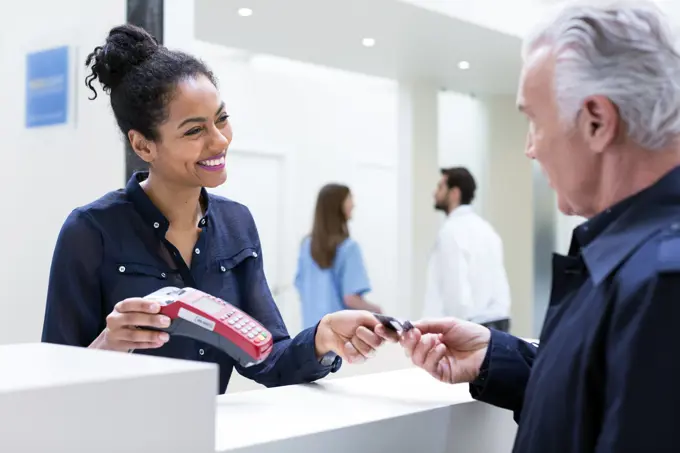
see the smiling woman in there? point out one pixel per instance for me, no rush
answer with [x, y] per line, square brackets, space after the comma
[165, 229]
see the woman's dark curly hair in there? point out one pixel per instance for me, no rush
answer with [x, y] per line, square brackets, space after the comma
[141, 77]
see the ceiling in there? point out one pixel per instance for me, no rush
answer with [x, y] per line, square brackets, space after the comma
[411, 43]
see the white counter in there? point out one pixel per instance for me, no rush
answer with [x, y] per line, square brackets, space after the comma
[404, 410]
[59, 399]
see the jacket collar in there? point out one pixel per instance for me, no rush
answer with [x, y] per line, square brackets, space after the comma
[606, 240]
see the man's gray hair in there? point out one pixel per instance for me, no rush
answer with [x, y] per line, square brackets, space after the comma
[624, 51]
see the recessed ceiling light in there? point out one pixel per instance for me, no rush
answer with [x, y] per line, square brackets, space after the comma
[245, 12]
[463, 65]
[368, 42]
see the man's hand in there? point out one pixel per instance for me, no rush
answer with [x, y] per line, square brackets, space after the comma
[451, 350]
[348, 333]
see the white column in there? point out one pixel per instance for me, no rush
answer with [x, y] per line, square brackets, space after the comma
[509, 206]
[418, 175]
[178, 24]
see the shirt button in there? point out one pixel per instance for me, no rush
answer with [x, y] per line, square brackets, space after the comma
[121, 269]
[202, 221]
[156, 224]
[198, 251]
[223, 269]
[201, 351]
[163, 274]
[254, 254]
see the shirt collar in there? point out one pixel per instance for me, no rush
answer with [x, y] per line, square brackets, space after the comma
[459, 210]
[607, 239]
[149, 212]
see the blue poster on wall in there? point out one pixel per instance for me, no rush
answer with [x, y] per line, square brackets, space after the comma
[47, 80]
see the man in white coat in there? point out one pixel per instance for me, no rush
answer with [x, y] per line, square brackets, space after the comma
[466, 276]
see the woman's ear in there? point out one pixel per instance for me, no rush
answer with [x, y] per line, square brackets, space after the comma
[145, 149]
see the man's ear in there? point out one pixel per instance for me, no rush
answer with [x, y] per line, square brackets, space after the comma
[454, 195]
[599, 122]
[145, 149]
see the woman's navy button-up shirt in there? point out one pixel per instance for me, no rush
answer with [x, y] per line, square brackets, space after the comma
[115, 248]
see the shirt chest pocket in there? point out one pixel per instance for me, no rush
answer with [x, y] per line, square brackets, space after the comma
[131, 279]
[232, 275]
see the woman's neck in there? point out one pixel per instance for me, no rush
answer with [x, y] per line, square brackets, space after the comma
[179, 204]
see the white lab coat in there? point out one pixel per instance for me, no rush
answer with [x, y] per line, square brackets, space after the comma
[466, 276]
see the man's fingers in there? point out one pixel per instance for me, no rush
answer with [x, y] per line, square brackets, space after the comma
[444, 371]
[433, 357]
[137, 305]
[426, 343]
[409, 341]
[435, 325]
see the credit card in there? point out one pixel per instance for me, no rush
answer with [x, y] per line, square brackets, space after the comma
[394, 324]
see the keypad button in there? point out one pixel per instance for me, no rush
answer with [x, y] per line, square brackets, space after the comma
[251, 335]
[258, 330]
[232, 321]
[244, 330]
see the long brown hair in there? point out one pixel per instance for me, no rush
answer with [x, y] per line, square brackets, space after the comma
[330, 223]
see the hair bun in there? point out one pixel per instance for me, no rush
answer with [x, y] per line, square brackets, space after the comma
[126, 47]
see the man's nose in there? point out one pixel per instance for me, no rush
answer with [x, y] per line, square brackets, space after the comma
[529, 148]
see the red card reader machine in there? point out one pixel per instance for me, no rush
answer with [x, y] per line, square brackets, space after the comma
[206, 318]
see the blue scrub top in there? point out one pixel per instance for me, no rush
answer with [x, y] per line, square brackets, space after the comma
[322, 290]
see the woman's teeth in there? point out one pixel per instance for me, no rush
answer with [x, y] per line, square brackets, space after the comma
[212, 162]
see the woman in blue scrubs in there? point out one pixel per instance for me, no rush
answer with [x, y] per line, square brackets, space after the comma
[331, 274]
[165, 229]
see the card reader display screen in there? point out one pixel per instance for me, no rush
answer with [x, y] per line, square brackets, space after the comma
[207, 305]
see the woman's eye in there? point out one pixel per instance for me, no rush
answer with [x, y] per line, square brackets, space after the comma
[193, 131]
[223, 118]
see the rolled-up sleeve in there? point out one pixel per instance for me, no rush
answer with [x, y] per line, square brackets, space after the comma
[292, 360]
[73, 312]
[505, 372]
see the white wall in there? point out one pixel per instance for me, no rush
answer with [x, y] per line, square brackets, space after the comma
[321, 126]
[487, 135]
[49, 171]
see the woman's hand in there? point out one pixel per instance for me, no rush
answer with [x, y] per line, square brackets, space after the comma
[125, 327]
[348, 333]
